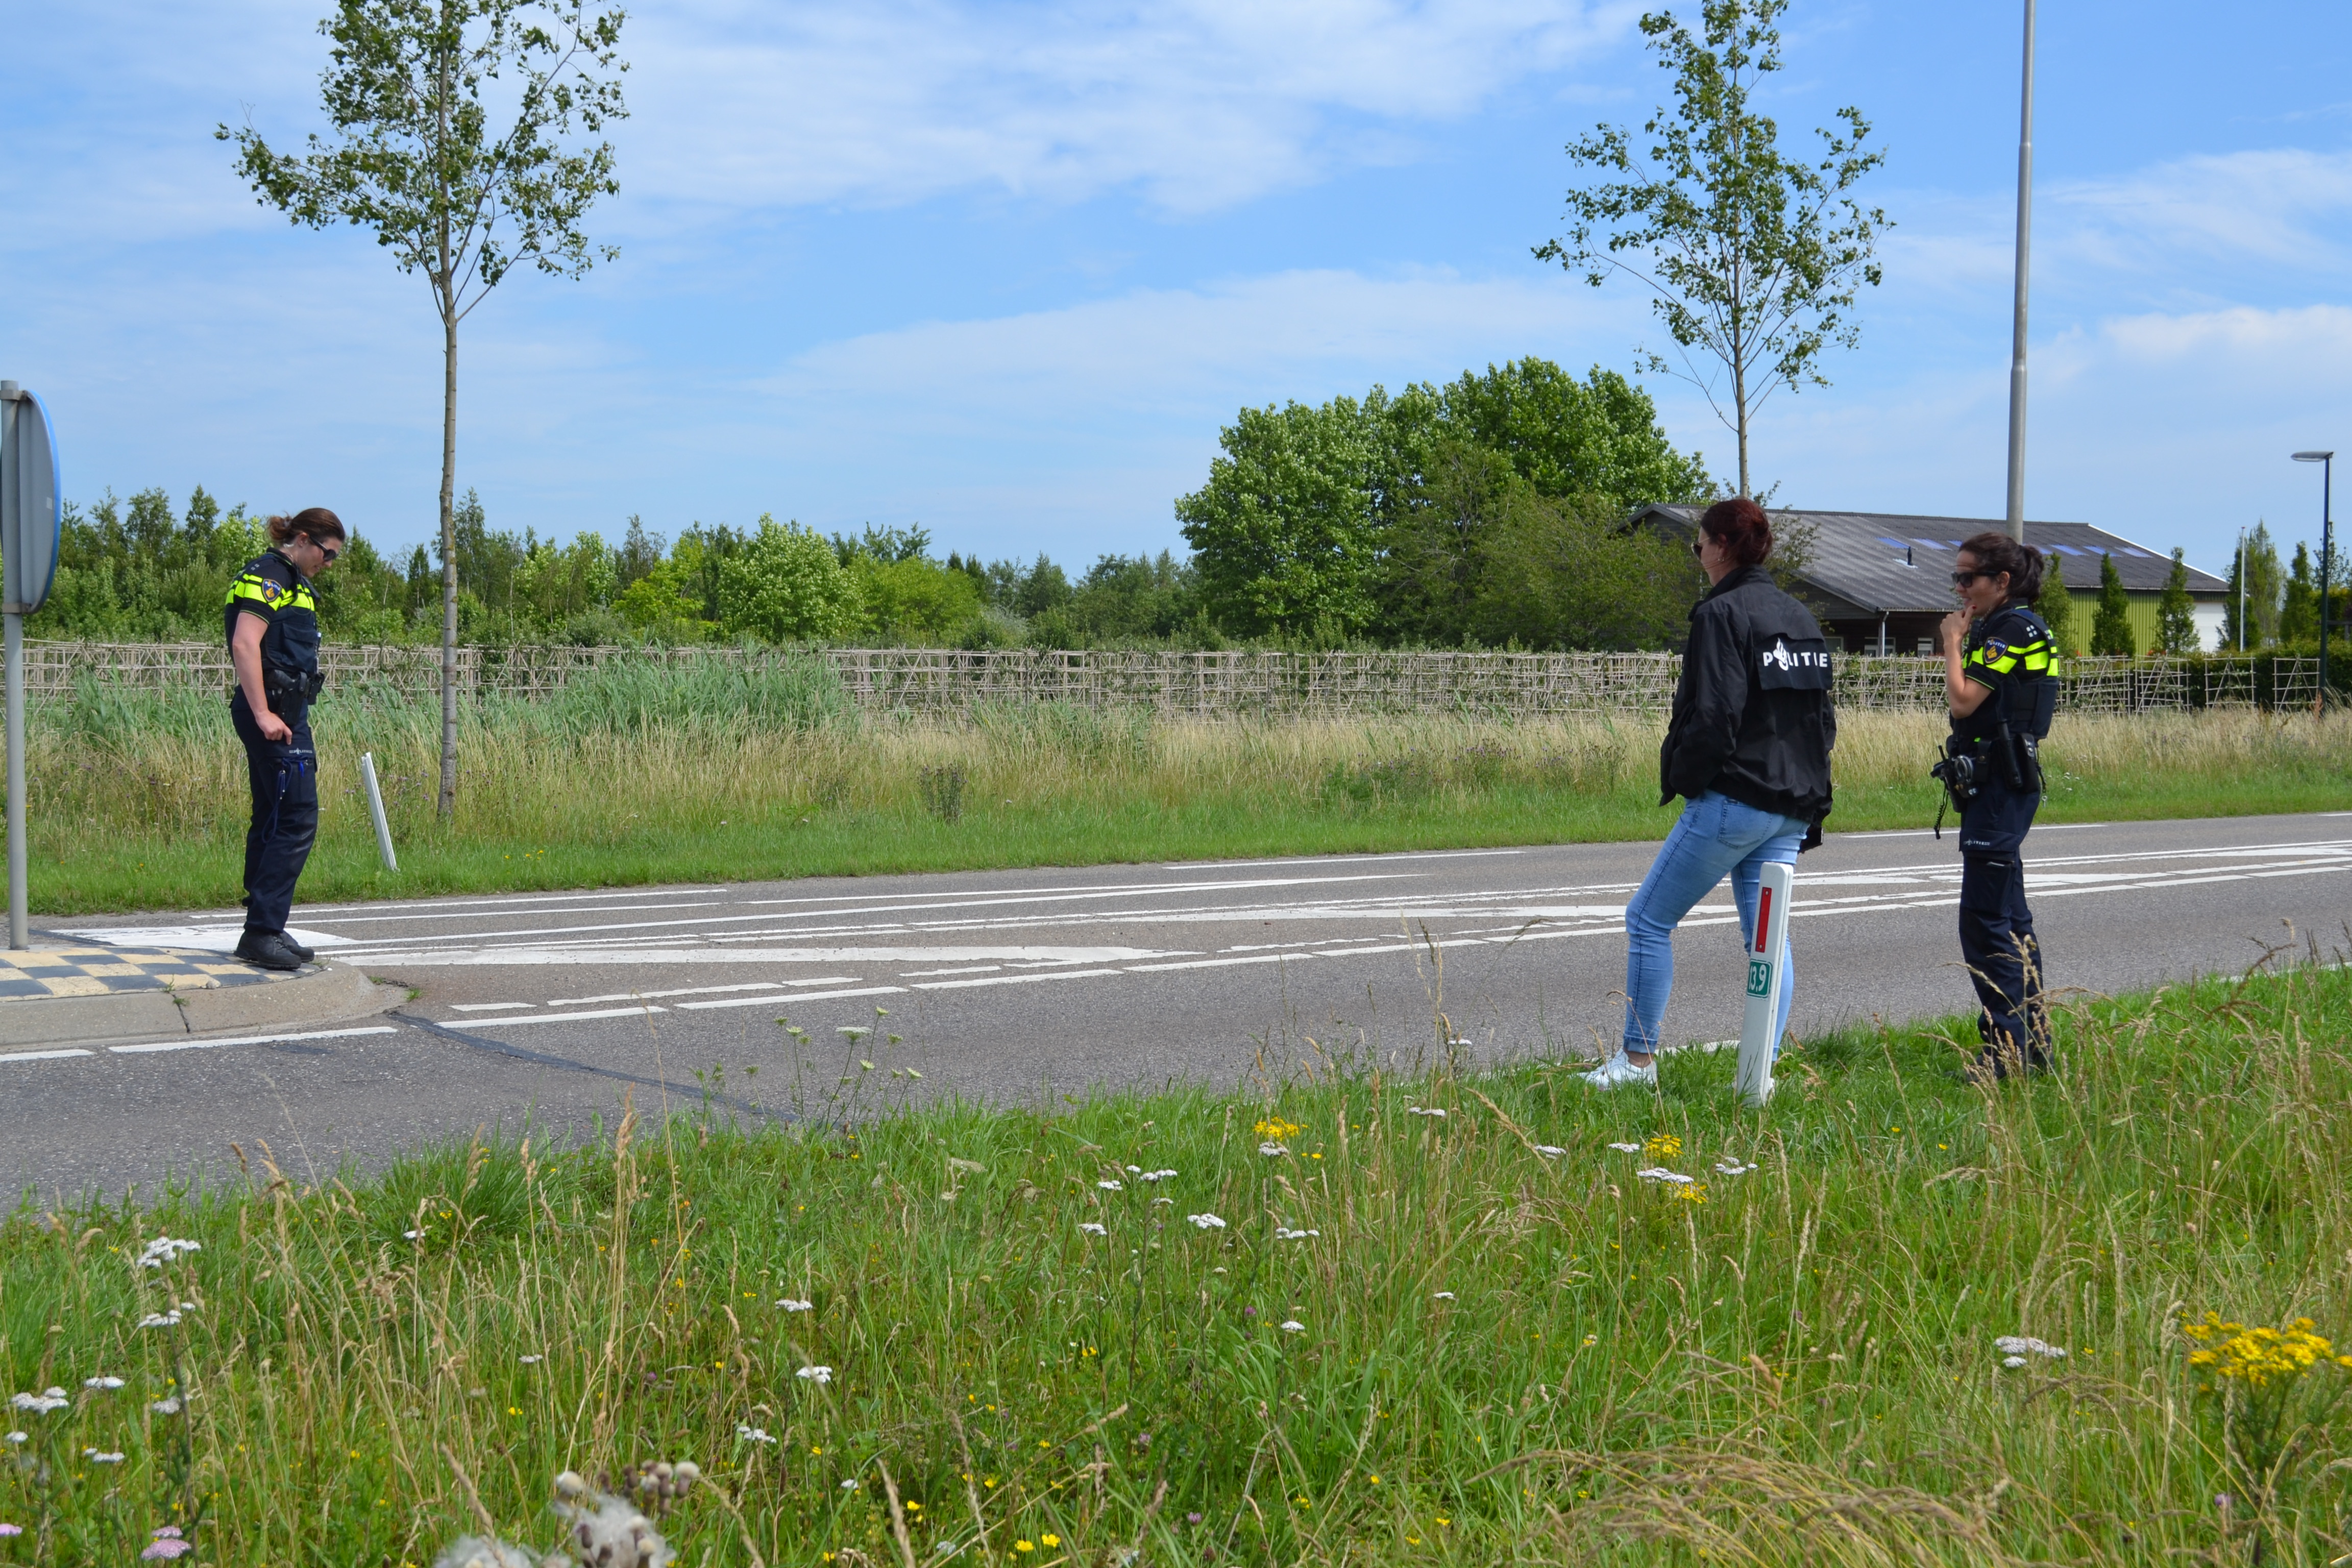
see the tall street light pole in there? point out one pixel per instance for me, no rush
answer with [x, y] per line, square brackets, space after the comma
[2327, 561]
[2024, 255]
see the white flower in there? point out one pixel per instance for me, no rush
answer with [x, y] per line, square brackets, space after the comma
[532, 1360]
[161, 1320]
[1292, 1326]
[1206, 1221]
[1284, 1232]
[854, 1031]
[101, 1382]
[1731, 1167]
[2012, 1362]
[1170, 1203]
[1155, 1176]
[43, 1403]
[2019, 1345]
[1418, 1110]
[788, 1305]
[1443, 1296]
[1135, 1170]
[95, 1458]
[753, 1434]
[816, 1375]
[19, 1437]
[1272, 1151]
[1660, 1173]
[850, 1484]
[1093, 1229]
[167, 1407]
[412, 1235]
[1549, 1151]
[163, 1250]
[1110, 1186]
[1459, 1040]
[1626, 1148]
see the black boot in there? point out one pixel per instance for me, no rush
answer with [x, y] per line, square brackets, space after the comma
[268, 949]
[308, 955]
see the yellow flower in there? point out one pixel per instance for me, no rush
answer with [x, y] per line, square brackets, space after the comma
[1024, 1546]
[1051, 1539]
[1662, 1146]
[1276, 1128]
[1693, 1193]
[2256, 1356]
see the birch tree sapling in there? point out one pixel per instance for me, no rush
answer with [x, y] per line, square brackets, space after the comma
[460, 136]
[1753, 258]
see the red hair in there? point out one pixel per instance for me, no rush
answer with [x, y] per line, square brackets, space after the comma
[1739, 526]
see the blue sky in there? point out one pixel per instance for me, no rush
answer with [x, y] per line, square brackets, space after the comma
[1004, 269]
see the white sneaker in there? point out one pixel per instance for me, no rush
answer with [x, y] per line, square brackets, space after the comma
[1619, 1070]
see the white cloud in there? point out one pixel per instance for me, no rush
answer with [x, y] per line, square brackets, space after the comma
[2268, 205]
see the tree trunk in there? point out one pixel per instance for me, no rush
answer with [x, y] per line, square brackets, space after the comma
[448, 803]
[1740, 408]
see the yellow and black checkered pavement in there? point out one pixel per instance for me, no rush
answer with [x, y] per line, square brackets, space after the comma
[103, 971]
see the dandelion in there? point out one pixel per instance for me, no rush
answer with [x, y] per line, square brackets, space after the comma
[1206, 1221]
[41, 1403]
[1549, 1151]
[820, 1375]
[788, 1305]
[1626, 1148]
[166, 1543]
[102, 1382]
[96, 1458]
[1662, 1146]
[1292, 1326]
[1443, 1296]
[1731, 1167]
[1092, 1229]
[1272, 1151]
[1111, 1186]
[1660, 1173]
[2020, 1345]
[163, 1249]
[1284, 1232]
[1276, 1128]
[1424, 1111]
[753, 1434]
[169, 1405]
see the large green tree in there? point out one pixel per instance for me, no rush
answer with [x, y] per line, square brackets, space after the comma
[1752, 258]
[452, 125]
[1571, 439]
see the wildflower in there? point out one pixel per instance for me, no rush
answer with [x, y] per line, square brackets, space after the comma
[1731, 1167]
[1110, 1186]
[169, 1405]
[854, 1031]
[788, 1305]
[412, 1235]
[819, 1376]
[1626, 1148]
[1272, 1151]
[19, 1437]
[1093, 1229]
[2020, 1345]
[1276, 1128]
[850, 1484]
[1051, 1539]
[161, 1320]
[1424, 1111]
[163, 1249]
[1549, 1151]
[1292, 1326]
[2256, 1356]
[1024, 1546]
[41, 1403]
[1660, 1173]
[1443, 1296]
[1154, 1175]
[167, 1544]
[96, 1458]
[1283, 1232]
[1171, 1203]
[1692, 1195]
[1207, 1221]
[2012, 1362]
[101, 1382]
[753, 1434]
[6, 1529]
[1662, 1146]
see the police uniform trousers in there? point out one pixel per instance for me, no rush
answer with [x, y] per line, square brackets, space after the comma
[1997, 937]
[285, 779]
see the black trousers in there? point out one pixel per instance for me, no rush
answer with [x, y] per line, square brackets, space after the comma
[284, 780]
[1997, 928]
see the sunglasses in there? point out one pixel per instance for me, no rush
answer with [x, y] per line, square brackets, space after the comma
[1698, 545]
[1963, 579]
[330, 555]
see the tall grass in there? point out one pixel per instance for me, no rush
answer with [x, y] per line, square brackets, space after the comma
[639, 774]
[1441, 1318]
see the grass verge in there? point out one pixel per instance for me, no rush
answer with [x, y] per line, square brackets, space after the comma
[138, 799]
[1393, 1311]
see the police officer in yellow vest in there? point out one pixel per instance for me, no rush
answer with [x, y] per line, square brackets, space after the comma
[2002, 686]
[273, 640]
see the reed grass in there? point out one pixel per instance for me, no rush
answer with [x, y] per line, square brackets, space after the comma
[641, 774]
[1441, 1319]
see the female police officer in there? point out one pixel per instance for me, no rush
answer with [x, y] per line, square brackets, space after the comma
[2000, 684]
[273, 640]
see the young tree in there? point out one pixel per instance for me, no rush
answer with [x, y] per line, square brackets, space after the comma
[1753, 258]
[412, 92]
[2056, 607]
[2176, 613]
[2255, 570]
[2299, 614]
[2111, 630]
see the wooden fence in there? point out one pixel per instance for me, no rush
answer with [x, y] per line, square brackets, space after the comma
[1190, 685]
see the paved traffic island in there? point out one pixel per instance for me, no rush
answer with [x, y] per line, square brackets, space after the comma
[65, 991]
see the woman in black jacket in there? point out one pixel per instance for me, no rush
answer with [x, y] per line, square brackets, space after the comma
[1747, 748]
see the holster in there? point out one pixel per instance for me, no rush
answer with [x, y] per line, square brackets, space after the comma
[294, 684]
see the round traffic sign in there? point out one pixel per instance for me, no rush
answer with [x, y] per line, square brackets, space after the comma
[32, 509]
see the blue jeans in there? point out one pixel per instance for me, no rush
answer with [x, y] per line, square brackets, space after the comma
[1716, 835]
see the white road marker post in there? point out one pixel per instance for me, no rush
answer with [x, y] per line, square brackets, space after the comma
[1767, 973]
[375, 809]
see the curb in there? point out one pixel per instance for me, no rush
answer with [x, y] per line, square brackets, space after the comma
[332, 993]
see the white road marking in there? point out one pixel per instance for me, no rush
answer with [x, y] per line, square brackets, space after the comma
[1216, 963]
[1012, 979]
[1344, 859]
[209, 938]
[568, 1017]
[494, 1007]
[794, 996]
[40, 1055]
[158, 1047]
[599, 953]
[967, 969]
[693, 991]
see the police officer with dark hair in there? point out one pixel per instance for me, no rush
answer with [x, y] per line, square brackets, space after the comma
[273, 640]
[2000, 684]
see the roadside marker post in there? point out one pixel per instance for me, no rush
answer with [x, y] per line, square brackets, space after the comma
[31, 520]
[1768, 972]
[375, 809]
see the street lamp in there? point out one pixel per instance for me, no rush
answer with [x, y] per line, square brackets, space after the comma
[2327, 561]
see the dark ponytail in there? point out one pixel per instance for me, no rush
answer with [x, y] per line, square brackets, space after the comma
[313, 523]
[1998, 552]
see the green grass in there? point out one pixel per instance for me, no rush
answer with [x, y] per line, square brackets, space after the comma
[1504, 1354]
[642, 776]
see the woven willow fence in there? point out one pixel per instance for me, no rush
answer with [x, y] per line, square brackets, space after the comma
[1189, 685]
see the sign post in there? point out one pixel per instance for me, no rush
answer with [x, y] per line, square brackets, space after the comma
[1768, 975]
[31, 520]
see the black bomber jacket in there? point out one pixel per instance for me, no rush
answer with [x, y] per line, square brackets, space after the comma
[1752, 716]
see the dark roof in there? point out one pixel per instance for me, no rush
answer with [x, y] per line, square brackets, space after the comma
[1879, 562]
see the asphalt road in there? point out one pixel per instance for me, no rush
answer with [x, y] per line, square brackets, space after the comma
[1016, 984]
